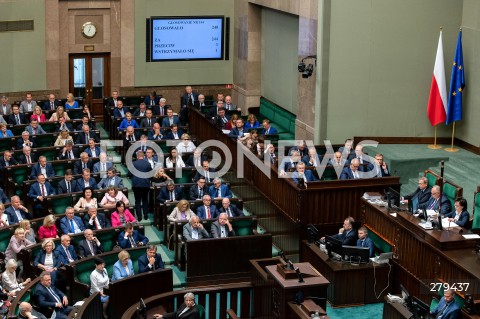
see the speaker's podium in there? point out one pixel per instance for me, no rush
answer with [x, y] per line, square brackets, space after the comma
[285, 286]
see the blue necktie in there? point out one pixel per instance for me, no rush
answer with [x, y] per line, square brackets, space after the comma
[72, 227]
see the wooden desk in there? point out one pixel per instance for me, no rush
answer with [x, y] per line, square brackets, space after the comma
[423, 256]
[299, 313]
[349, 284]
[285, 290]
[395, 310]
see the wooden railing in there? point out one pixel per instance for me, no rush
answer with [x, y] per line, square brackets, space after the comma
[322, 202]
[220, 298]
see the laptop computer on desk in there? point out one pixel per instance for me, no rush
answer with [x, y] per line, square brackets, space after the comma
[383, 258]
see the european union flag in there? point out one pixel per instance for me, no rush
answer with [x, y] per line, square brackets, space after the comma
[457, 84]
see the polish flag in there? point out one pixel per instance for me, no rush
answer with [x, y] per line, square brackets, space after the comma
[437, 102]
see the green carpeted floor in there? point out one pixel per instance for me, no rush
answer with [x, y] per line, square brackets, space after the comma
[372, 311]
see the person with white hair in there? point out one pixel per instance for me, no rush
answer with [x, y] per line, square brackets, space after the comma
[9, 277]
[187, 310]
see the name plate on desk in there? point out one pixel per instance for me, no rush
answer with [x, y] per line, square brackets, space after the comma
[286, 273]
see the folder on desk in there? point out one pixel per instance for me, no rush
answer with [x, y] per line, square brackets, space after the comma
[447, 224]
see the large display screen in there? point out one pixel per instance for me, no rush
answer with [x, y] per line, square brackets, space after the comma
[186, 38]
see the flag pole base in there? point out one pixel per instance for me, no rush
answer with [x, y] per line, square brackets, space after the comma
[434, 146]
[451, 149]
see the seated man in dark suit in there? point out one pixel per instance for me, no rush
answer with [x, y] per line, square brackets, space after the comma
[347, 234]
[130, 136]
[92, 150]
[189, 98]
[130, 238]
[187, 310]
[267, 128]
[152, 99]
[62, 125]
[71, 224]
[6, 160]
[222, 227]
[113, 100]
[148, 121]
[170, 192]
[66, 250]
[447, 308]
[351, 172]
[170, 119]
[120, 110]
[196, 159]
[155, 133]
[86, 181]
[16, 118]
[214, 111]
[86, 121]
[199, 190]
[25, 140]
[141, 110]
[68, 152]
[90, 246]
[231, 210]
[174, 134]
[207, 210]
[84, 162]
[460, 215]
[219, 190]
[17, 212]
[381, 167]
[27, 157]
[51, 104]
[206, 172]
[221, 119]
[94, 220]
[302, 173]
[112, 179]
[38, 193]
[34, 128]
[67, 185]
[434, 202]
[363, 159]
[49, 296]
[42, 167]
[423, 193]
[238, 131]
[162, 107]
[312, 159]
[364, 240]
[86, 135]
[194, 230]
[150, 261]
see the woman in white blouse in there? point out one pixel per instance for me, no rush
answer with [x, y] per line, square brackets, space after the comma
[186, 145]
[48, 259]
[86, 201]
[62, 138]
[9, 277]
[112, 196]
[98, 281]
[174, 160]
[3, 216]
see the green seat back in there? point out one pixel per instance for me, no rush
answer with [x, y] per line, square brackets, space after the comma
[243, 227]
[50, 154]
[60, 204]
[19, 174]
[134, 255]
[201, 311]
[476, 209]
[75, 113]
[432, 179]
[83, 271]
[108, 239]
[450, 191]
[5, 236]
[26, 297]
[329, 174]
[45, 140]
[49, 127]
[60, 168]
[6, 144]
[379, 242]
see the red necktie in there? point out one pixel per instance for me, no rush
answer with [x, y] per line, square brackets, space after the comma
[29, 161]
[43, 190]
[208, 212]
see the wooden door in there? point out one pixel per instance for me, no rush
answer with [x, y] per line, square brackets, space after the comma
[90, 79]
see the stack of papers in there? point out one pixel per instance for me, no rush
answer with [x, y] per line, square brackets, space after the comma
[447, 224]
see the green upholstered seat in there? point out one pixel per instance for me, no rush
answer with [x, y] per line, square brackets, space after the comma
[432, 178]
[450, 191]
[59, 204]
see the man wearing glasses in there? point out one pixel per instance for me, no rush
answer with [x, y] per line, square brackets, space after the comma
[351, 172]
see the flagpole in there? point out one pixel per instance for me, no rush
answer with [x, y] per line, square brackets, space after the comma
[434, 146]
[451, 149]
